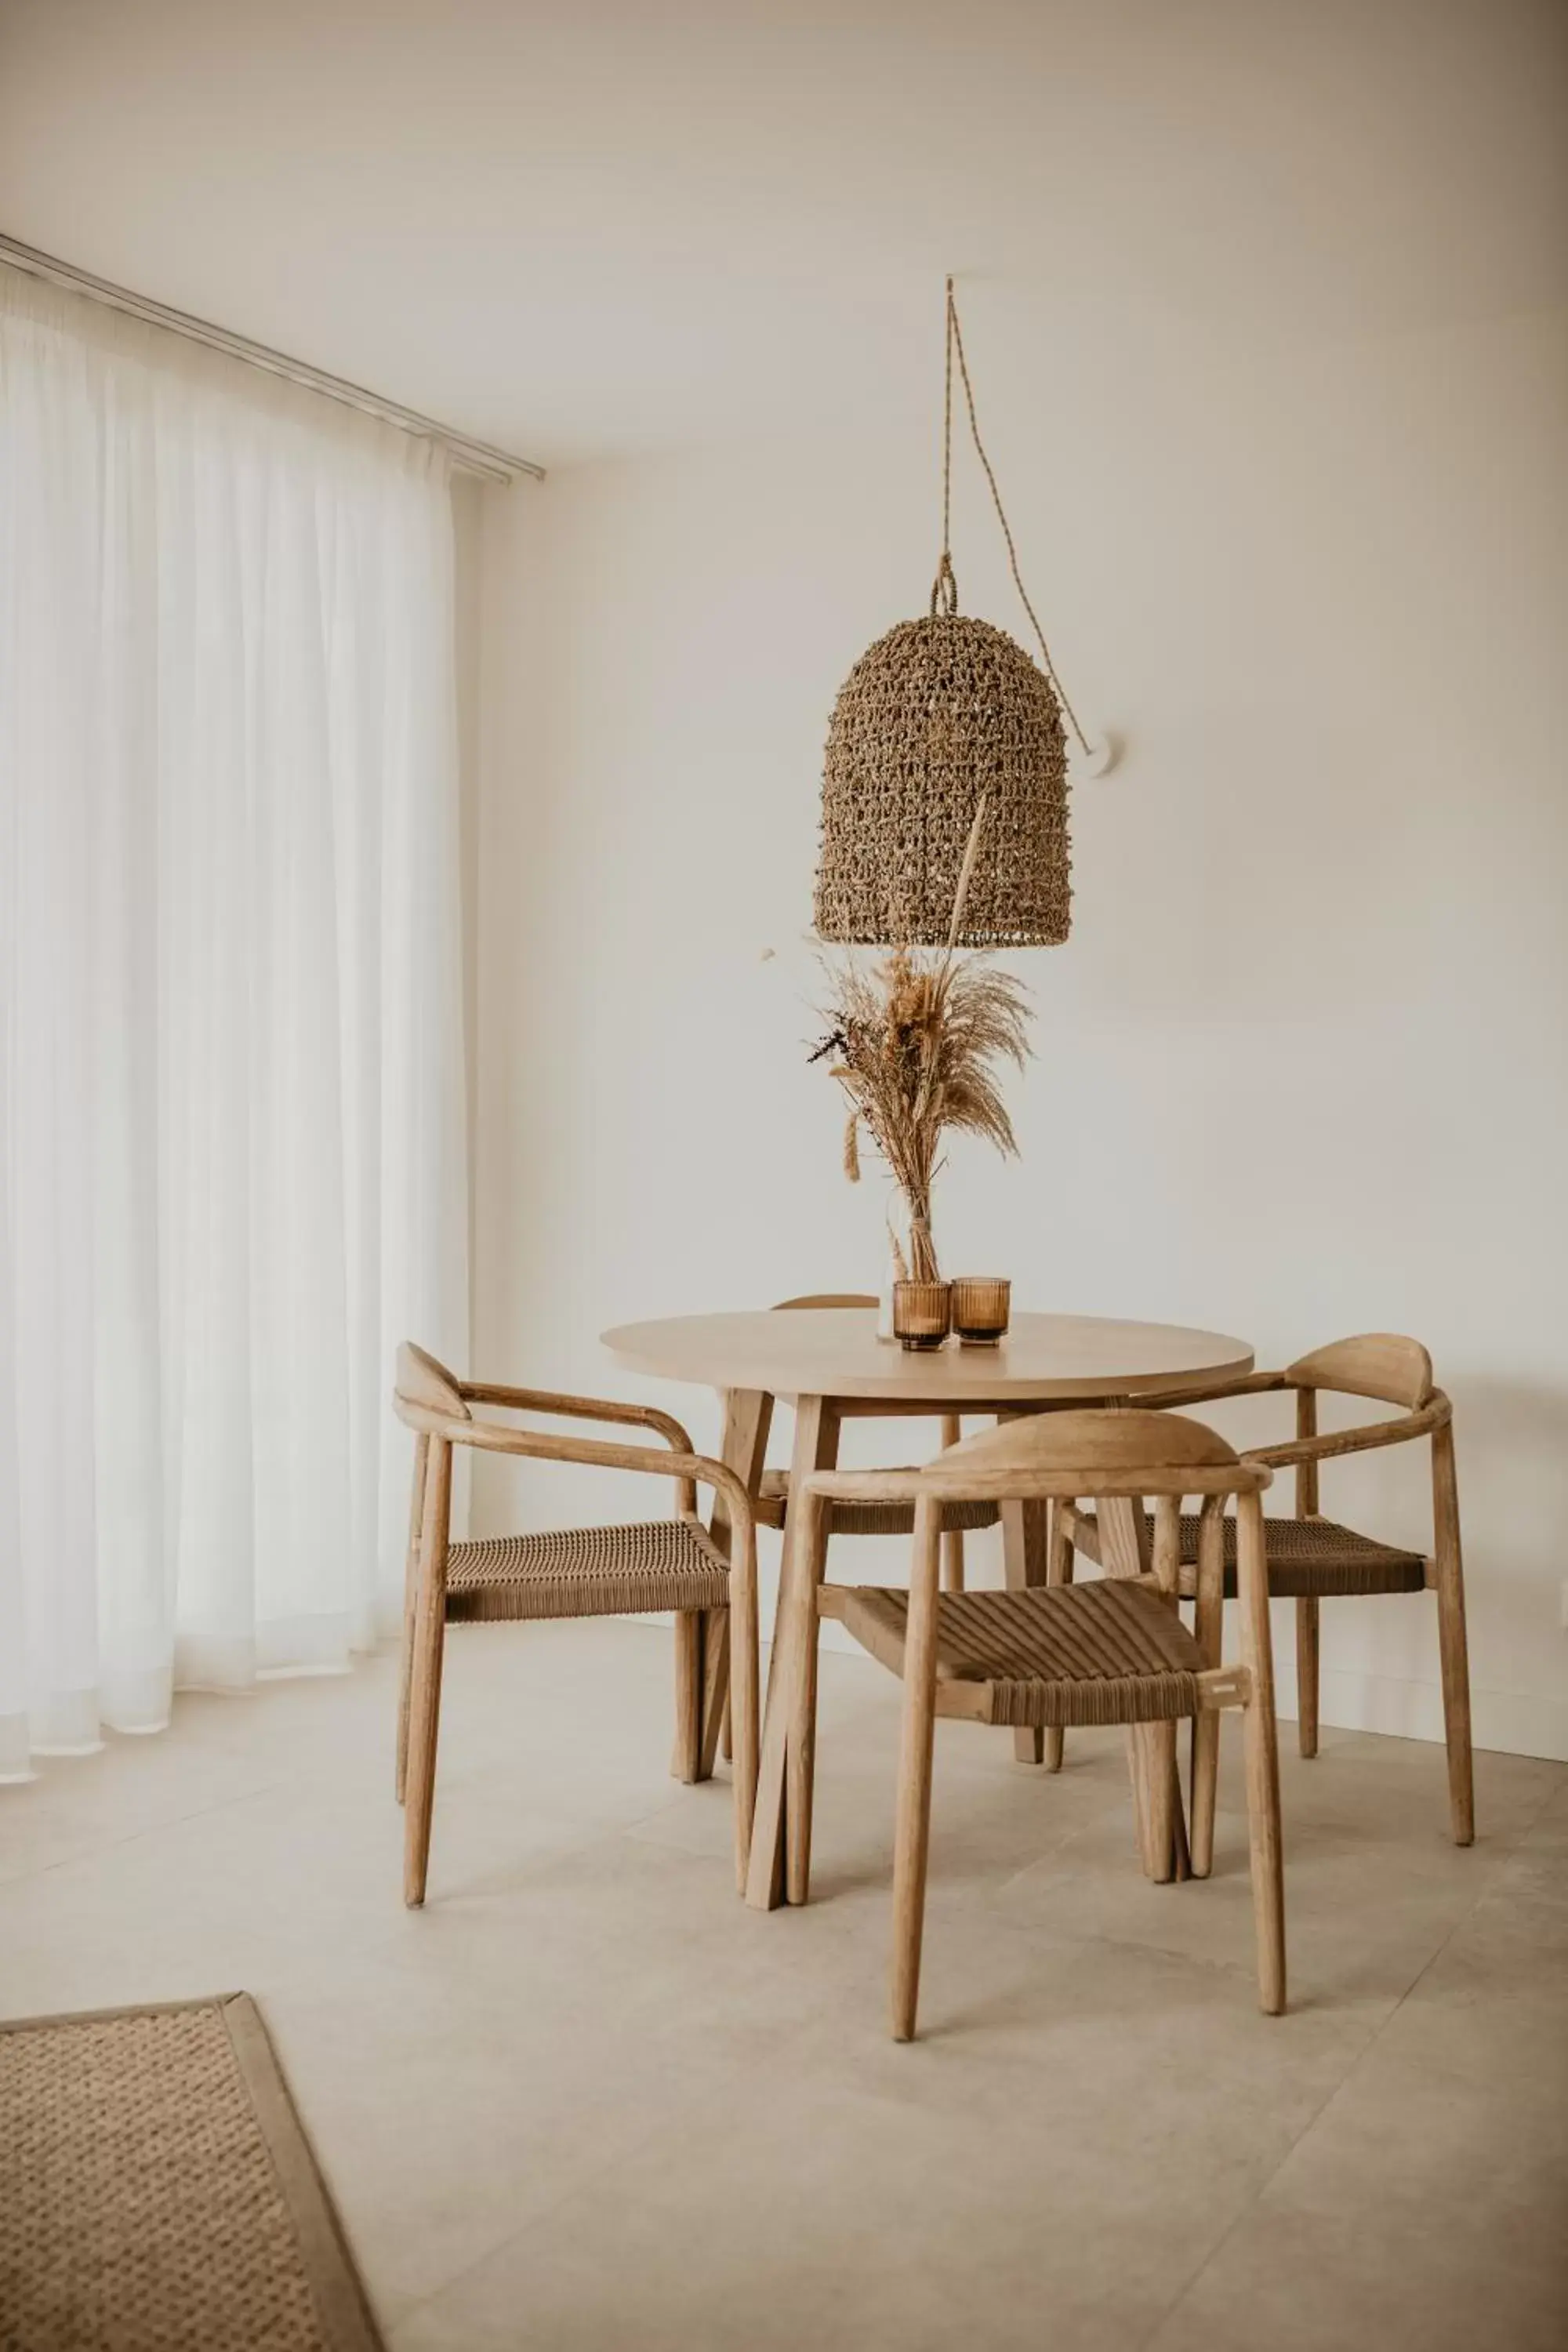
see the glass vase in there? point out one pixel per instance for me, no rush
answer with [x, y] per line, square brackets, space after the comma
[911, 1256]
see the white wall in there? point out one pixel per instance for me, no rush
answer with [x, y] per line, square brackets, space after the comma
[1300, 1069]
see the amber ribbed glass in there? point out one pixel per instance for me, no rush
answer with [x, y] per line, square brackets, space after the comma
[920, 1312]
[981, 1306]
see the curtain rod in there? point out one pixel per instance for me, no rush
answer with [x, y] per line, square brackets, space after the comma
[473, 457]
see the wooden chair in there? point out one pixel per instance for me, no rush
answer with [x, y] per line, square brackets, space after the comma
[672, 1563]
[1110, 1652]
[1313, 1559]
[859, 1519]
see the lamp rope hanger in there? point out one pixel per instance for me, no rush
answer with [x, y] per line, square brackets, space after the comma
[945, 579]
[946, 757]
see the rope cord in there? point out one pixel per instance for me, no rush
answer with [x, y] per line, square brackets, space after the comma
[944, 588]
[946, 585]
[947, 448]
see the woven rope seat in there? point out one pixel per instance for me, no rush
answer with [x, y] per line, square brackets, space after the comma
[1069, 1654]
[1308, 1559]
[870, 1518]
[588, 1572]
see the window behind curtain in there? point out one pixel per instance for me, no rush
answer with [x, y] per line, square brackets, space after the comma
[231, 1117]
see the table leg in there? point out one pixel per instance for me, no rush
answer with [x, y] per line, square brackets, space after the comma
[748, 1417]
[1125, 1551]
[783, 1818]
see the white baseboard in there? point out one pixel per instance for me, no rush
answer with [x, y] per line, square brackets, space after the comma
[1519, 1723]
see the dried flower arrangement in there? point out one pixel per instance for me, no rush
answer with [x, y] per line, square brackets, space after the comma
[915, 1043]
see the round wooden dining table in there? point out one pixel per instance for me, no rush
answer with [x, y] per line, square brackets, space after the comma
[829, 1363]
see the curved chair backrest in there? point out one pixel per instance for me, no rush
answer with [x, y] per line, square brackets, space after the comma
[1067, 1456]
[1381, 1364]
[826, 1299]
[1101, 1453]
[427, 1385]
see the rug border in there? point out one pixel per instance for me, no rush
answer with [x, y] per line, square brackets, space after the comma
[348, 2322]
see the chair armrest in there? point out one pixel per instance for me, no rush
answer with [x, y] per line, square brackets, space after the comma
[688, 1469]
[1361, 1440]
[577, 1408]
[869, 1486]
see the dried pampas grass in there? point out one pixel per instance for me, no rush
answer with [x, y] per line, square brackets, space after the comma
[916, 1043]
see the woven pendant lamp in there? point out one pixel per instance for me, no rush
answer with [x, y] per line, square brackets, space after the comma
[941, 720]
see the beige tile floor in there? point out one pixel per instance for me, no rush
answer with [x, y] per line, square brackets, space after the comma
[586, 2100]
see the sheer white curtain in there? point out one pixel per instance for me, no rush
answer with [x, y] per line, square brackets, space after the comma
[232, 1161]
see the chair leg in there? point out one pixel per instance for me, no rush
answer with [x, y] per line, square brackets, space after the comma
[783, 1775]
[1159, 1744]
[912, 1841]
[1152, 1746]
[1307, 1606]
[816, 1448]
[1121, 1531]
[715, 1689]
[1208, 1630]
[1306, 1673]
[1262, 1757]
[424, 1696]
[1168, 1821]
[1264, 1841]
[410, 1605]
[1453, 1644]
[1142, 1826]
[748, 1417]
[1202, 1774]
[1205, 1783]
[744, 1711]
[688, 1695]
[1181, 1852]
[1059, 1571]
[1024, 1564]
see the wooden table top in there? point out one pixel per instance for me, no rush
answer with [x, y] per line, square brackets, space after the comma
[835, 1352]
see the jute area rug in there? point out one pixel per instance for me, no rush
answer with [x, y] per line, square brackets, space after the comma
[158, 2194]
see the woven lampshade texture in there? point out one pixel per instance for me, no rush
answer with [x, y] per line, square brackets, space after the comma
[934, 713]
